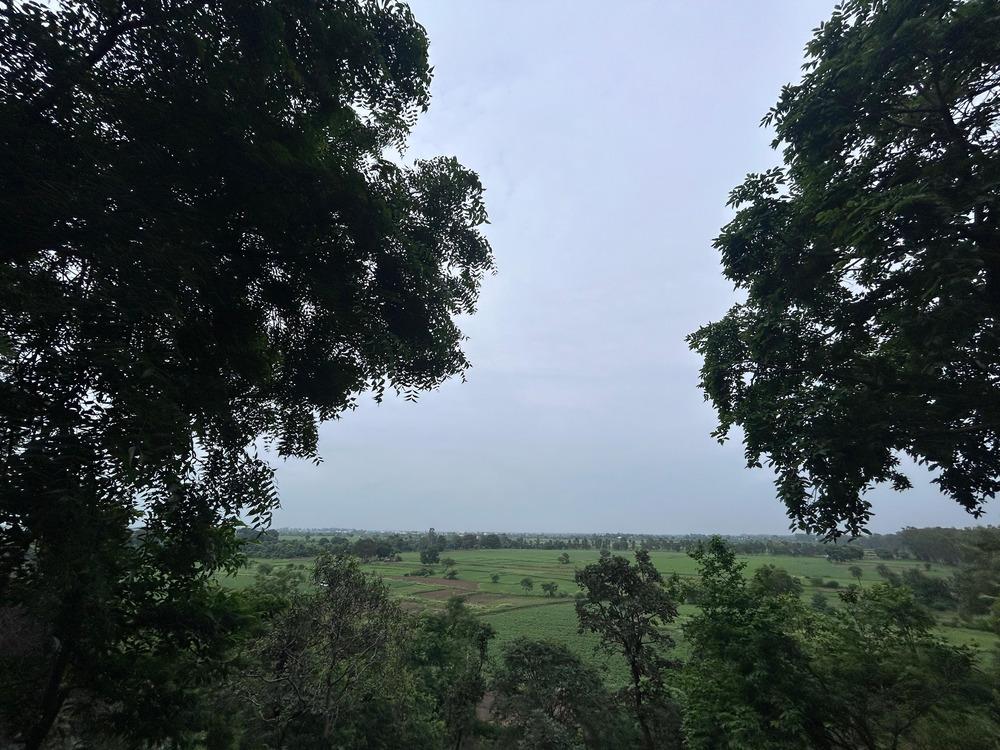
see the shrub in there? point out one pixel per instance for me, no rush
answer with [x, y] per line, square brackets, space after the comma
[421, 571]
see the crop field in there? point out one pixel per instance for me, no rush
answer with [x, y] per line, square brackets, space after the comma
[514, 611]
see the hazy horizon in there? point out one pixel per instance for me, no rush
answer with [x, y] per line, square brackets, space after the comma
[569, 533]
[608, 139]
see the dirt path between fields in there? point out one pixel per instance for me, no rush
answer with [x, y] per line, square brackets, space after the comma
[448, 583]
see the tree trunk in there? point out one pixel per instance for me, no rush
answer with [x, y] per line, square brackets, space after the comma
[640, 713]
[52, 700]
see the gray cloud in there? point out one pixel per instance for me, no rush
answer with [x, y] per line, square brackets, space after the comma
[608, 136]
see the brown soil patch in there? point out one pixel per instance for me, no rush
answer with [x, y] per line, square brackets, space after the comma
[446, 582]
[440, 594]
[484, 711]
[479, 598]
[486, 598]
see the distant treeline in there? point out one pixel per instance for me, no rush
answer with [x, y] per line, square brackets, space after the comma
[938, 545]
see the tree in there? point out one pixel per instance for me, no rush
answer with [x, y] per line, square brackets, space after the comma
[747, 682]
[448, 651]
[887, 677]
[886, 573]
[770, 580]
[312, 671]
[550, 588]
[765, 672]
[856, 572]
[930, 591]
[365, 548]
[844, 553]
[205, 247]
[429, 556]
[628, 607]
[977, 584]
[546, 697]
[935, 544]
[819, 602]
[494, 577]
[564, 558]
[527, 584]
[279, 581]
[871, 268]
[451, 574]
[447, 562]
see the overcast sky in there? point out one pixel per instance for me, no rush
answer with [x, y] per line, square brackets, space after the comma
[608, 136]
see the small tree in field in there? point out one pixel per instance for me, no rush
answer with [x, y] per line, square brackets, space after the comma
[495, 577]
[564, 558]
[429, 556]
[856, 572]
[628, 606]
[527, 584]
[770, 580]
[550, 588]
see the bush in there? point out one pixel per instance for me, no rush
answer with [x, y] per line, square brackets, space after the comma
[421, 571]
[769, 580]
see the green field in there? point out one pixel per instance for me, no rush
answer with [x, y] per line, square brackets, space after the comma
[514, 612]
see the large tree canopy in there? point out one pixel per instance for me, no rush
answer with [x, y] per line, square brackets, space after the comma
[871, 266]
[204, 243]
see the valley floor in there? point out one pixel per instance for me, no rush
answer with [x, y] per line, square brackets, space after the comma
[514, 611]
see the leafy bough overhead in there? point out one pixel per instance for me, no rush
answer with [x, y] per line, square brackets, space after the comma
[204, 244]
[871, 266]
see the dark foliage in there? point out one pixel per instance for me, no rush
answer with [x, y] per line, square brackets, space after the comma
[547, 698]
[871, 263]
[629, 606]
[768, 672]
[203, 246]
